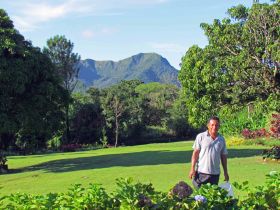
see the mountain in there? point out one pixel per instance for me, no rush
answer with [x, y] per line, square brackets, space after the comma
[147, 67]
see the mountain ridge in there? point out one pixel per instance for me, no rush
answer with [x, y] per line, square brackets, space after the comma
[147, 67]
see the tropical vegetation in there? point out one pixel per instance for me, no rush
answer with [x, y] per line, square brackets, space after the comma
[129, 195]
[236, 76]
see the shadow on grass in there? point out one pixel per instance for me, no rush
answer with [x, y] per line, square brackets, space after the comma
[125, 160]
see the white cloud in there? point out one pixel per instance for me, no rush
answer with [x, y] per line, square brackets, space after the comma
[29, 14]
[23, 24]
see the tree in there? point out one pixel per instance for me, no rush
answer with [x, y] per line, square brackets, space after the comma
[239, 65]
[87, 120]
[157, 100]
[30, 95]
[60, 51]
[121, 107]
[178, 120]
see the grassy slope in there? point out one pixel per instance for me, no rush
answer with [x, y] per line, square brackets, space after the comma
[161, 164]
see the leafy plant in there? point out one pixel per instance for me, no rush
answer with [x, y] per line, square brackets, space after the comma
[261, 197]
[104, 138]
[247, 134]
[134, 195]
[217, 198]
[274, 129]
[55, 142]
[131, 195]
[275, 125]
[3, 159]
[273, 153]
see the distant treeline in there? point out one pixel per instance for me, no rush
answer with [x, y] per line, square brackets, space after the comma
[236, 76]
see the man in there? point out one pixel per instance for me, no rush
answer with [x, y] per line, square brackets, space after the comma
[209, 150]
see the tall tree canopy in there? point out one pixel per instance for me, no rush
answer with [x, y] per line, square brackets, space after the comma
[60, 51]
[241, 63]
[121, 108]
[30, 95]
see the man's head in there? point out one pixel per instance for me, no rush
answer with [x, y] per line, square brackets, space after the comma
[213, 125]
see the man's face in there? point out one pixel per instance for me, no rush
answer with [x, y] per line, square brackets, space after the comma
[213, 126]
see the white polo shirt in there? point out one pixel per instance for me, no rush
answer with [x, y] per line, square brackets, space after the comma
[210, 152]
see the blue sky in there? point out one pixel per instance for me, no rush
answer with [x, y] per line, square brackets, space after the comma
[117, 29]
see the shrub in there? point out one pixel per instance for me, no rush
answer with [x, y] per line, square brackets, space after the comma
[55, 142]
[247, 134]
[217, 198]
[131, 195]
[275, 125]
[3, 159]
[274, 129]
[70, 147]
[261, 197]
[234, 141]
[273, 153]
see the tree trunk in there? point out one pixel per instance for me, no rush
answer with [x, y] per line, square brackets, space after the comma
[117, 131]
[67, 124]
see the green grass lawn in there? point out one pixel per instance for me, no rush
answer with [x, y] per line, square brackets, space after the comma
[161, 164]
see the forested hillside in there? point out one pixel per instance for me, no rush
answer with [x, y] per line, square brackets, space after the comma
[147, 67]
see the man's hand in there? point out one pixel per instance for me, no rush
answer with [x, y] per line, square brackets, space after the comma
[192, 174]
[195, 156]
[226, 177]
[224, 164]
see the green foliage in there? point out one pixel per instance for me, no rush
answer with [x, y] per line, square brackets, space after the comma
[77, 197]
[134, 195]
[11, 42]
[239, 140]
[239, 65]
[120, 107]
[273, 153]
[86, 124]
[236, 118]
[156, 100]
[55, 142]
[86, 117]
[262, 141]
[3, 159]
[217, 197]
[154, 132]
[31, 97]
[104, 138]
[60, 51]
[178, 120]
[262, 197]
[143, 196]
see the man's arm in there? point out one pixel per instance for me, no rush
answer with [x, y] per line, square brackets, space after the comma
[195, 156]
[224, 164]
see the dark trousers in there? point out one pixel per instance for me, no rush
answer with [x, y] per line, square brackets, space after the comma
[201, 178]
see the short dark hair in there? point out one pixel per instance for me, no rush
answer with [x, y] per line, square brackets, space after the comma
[213, 118]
